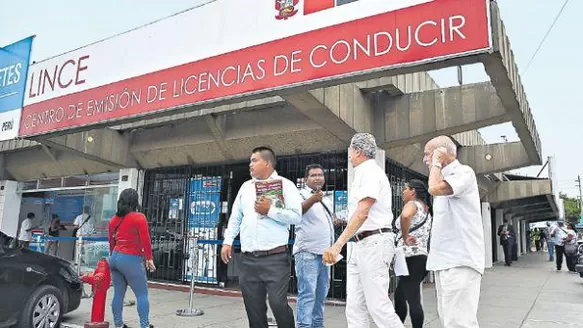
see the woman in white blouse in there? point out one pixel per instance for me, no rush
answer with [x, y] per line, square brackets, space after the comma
[571, 247]
[414, 227]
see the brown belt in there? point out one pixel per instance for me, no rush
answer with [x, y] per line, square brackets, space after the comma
[277, 250]
[368, 233]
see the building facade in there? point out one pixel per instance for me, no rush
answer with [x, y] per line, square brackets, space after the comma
[178, 122]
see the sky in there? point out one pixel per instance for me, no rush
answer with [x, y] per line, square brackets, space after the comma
[551, 82]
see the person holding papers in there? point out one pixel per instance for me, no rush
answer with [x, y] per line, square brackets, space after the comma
[262, 213]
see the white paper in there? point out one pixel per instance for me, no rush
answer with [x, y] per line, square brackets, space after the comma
[338, 258]
[400, 263]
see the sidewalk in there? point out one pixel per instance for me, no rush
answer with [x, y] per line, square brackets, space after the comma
[530, 294]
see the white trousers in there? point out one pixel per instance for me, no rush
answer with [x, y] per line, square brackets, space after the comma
[458, 295]
[367, 283]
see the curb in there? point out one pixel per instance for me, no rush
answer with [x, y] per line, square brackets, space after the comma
[221, 292]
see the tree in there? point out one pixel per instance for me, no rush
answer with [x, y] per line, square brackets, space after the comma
[572, 210]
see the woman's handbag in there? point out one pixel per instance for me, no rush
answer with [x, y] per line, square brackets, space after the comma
[392, 278]
[571, 249]
[571, 245]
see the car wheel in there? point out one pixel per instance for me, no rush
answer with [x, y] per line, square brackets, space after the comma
[44, 309]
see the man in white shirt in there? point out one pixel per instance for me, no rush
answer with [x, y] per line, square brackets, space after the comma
[314, 234]
[263, 225]
[457, 254]
[82, 228]
[559, 234]
[81, 223]
[369, 206]
[25, 235]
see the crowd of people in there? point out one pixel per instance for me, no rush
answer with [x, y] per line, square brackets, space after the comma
[438, 230]
[558, 239]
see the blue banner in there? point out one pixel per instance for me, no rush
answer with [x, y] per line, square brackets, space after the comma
[340, 200]
[204, 210]
[204, 202]
[14, 60]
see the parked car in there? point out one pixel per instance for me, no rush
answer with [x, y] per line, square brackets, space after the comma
[36, 290]
[579, 265]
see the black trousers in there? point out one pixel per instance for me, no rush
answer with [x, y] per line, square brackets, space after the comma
[261, 276]
[559, 252]
[514, 251]
[409, 291]
[571, 260]
[507, 253]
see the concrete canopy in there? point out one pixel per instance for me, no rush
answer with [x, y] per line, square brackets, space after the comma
[402, 107]
[528, 200]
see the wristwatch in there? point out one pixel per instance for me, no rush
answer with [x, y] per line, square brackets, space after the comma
[437, 165]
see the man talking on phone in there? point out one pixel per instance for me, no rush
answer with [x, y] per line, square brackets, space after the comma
[314, 234]
[457, 254]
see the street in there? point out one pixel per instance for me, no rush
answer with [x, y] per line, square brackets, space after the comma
[530, 294]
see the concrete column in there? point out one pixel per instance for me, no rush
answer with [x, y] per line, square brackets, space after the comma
[525, 227]
[516, 224]
[487, 225]
[131, 178]
[9, 207]
[522, 249]
[499, 249]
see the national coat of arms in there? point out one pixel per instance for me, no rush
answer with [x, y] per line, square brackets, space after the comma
[286, 8]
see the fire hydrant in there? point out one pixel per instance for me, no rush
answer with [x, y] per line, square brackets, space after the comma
[100, 280]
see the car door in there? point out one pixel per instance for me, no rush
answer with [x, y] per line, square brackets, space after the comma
[12, 287]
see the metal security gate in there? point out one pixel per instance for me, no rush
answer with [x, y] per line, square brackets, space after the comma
[164, 187]
[166, 232]
[166, 205]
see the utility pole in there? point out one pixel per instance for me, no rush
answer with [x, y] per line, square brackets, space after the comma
[580, 195]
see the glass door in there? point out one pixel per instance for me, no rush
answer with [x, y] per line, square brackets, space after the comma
[100, 204]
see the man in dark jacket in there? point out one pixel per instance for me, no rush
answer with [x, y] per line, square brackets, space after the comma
[507, 236]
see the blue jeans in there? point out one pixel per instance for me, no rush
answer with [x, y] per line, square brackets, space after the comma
[129, 270]
[313, 282]
[551, 246]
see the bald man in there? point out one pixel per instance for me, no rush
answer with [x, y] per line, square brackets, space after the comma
[457, 253]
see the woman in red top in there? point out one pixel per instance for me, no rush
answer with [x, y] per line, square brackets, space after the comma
[130, 248]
